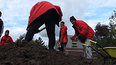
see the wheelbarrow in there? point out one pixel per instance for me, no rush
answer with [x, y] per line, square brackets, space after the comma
[108, 53]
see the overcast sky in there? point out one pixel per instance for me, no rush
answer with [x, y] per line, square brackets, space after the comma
[16, 13]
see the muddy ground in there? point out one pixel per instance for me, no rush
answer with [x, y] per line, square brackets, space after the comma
[33, 54]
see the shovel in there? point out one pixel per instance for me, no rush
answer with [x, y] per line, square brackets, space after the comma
[40, 30]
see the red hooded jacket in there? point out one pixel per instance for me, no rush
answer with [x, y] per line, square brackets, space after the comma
[84, 29]
[63, 37]
[42, 7]
[5, 40]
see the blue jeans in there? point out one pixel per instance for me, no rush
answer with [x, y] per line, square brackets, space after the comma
[87, 50]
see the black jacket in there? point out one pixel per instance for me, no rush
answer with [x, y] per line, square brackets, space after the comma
[1, 27]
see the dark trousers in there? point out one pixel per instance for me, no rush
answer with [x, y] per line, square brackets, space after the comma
[50, 18]
[63, 45]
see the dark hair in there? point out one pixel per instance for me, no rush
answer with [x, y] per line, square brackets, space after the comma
[0, 13]
[72, 18]
[7, 31]
[62, 22]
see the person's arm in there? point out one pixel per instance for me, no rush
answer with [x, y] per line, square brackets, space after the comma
[59, 12]
[84, 30]
[11, 40]
[1, 27]
[74, 35]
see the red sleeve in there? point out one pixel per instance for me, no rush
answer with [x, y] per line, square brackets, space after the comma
[59, 11]
[11, 40]
[63, 32]
[74, 35]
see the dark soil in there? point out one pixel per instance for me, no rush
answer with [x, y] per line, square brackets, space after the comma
[33, 54]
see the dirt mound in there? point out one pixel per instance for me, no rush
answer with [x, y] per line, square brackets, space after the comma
[33, 54]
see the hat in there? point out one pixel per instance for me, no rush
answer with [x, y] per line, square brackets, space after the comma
[72, 18]
[7, 31]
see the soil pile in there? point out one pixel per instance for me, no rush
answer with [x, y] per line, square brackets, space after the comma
[33, 54]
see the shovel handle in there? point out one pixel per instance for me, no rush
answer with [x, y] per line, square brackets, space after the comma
[101, 48]
[42, 29]
[93, 41]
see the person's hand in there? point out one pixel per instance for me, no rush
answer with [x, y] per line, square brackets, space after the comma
[72, 38]
[58, 41]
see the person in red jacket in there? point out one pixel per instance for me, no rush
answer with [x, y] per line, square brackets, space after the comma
[6, 39]
[84, 33]
[44, 13]
[63, 36]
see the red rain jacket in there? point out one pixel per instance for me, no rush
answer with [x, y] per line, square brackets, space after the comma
[42, 7]
[84, 29]
[5, 40]
[63, 38]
